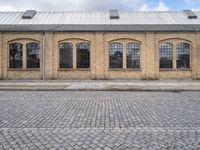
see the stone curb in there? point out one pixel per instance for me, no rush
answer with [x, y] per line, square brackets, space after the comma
[149, 89]
[172, 86]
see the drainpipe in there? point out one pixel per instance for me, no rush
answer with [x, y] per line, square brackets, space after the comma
[43, 57]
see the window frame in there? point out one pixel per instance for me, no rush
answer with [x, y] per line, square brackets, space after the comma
[169, 56]
[72, 57]
[189, 57]
[88, 57]
[22, 52]
[134, 48]
[39, 53]
[24, 42]
[122, 51]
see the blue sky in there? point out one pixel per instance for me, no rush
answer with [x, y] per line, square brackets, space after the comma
[73, 5]
[181, 4]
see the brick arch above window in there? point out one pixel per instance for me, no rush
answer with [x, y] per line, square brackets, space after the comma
[174, 40]
[125, 40]
[76, 40]
[24, 40]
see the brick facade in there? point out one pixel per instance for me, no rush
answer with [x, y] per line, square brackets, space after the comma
[99, 56]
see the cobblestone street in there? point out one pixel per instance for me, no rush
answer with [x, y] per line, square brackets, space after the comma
[99, 120]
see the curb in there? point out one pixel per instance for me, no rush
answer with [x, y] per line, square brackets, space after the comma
[94, 89]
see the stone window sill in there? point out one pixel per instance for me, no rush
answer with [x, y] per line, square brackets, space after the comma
[23, 69]
[175, 69]
[125, 69]
[74, 69]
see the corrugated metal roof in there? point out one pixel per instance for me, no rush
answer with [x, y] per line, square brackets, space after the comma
[68, 21]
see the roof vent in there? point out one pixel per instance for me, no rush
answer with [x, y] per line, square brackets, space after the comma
[29, 14]
[114, 14]
[190, 14]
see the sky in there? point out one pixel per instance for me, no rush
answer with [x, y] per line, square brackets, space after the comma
[99, 5]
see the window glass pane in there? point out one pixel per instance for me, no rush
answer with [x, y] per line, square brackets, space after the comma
[183, 55]
[32, 55]
[133, 55]
[66, 55]
[166, 55]
[15, 57]
[115, 55]
[83, 55]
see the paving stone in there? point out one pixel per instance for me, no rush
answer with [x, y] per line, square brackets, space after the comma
[99, 120]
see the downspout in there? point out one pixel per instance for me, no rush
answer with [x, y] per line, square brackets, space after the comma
[43, 56]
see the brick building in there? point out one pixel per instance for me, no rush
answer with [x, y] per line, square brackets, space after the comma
[99, 45]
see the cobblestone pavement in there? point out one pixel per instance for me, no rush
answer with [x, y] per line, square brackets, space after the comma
[99, 120]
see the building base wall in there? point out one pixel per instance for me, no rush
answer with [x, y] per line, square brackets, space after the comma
[175, 74]
[20, 75]
[76, 74]
[99, 56]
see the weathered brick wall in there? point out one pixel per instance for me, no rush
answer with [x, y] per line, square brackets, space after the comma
[150, 57]
[124, 38]
[197, 56]
[74, 38]
[1, 56]
[99, 56]
[22, 73]
[175, 38]
[49, 53]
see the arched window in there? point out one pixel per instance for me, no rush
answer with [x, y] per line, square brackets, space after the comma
[83, 55]
[115, 55]
[133, 55]
[32, 55]
[15, 55]
[166, 55]
[183, 55]
[66, 55]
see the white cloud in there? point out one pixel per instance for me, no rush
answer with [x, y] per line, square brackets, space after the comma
[68, 5]
[9, 8]
[161, 7]
[195, 9]
[72, 5]
[150, 7]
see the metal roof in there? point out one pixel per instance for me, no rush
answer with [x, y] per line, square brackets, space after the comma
[100, 21]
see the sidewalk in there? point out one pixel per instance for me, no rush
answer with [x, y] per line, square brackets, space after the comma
[101, 85]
